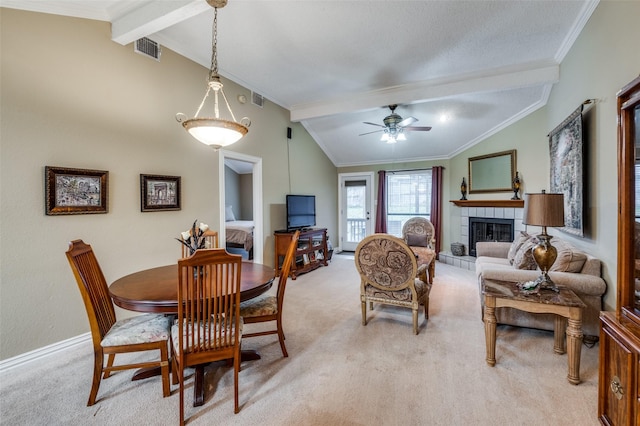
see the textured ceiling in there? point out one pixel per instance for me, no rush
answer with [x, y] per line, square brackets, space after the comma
[336, 64]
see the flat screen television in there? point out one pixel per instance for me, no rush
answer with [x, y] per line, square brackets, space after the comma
[301, 211]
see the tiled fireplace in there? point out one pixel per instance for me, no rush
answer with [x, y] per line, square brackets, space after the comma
[488, 229]
[486, 214]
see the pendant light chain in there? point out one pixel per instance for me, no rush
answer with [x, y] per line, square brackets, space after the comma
[214, 47]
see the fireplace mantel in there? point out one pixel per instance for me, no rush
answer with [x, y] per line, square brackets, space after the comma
[488, 203]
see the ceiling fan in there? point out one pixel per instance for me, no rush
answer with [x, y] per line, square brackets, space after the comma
[395, 126]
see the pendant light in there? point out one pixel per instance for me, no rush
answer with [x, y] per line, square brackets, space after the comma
[215, 131]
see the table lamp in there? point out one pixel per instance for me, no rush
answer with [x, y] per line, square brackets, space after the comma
[544, 210]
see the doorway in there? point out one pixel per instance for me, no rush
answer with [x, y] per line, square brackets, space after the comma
[255, 164]
[356, 208]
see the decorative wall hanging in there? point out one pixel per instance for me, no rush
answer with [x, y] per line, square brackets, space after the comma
[159, 193]
[75, 191]
[566, 149]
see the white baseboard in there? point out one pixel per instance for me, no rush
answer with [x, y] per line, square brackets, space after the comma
[39, 354]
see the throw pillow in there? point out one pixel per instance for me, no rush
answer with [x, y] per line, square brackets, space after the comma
[228, 214]
[517, 243]
[569, 258]
[524, 257]
[417, 240]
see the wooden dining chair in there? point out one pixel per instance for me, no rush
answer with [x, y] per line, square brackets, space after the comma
[208, 327]
[140, 333]
[211, 241]
[268, 308]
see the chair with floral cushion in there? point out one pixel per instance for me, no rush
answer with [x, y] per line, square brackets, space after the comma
[419, 234]
[145, 332]
[268, 308]
[208, 327]
[389, 274]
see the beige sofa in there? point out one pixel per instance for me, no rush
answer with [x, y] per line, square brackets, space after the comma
[495, 260]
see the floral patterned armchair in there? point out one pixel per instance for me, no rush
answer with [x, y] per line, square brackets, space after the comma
[419, 234]
[390, 275]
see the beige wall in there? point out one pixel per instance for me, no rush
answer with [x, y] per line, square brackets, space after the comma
[73, 98]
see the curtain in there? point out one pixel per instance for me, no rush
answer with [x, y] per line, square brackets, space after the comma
[381, 211]
[436, 205]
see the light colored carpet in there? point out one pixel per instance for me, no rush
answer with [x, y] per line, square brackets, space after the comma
[339, 372]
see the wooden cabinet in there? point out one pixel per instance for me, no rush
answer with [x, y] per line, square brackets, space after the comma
[618, 383]
[618, 392]
[311, 253]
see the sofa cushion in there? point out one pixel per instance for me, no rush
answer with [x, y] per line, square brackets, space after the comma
[569, 258]
[417, 240]
[517, 243]
[524, 257]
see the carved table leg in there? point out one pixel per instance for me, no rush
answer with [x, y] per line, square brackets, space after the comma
[574, 343]
[490, 323]
[559, 327]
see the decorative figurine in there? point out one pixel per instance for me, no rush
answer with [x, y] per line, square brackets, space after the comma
[463, 189]
[516, 187]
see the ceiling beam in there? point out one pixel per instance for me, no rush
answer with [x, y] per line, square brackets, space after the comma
[430, 90]
[153, 17]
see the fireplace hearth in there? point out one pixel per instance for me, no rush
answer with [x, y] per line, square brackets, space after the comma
[489, 229]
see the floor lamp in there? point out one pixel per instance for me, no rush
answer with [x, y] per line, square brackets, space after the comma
[544, 210]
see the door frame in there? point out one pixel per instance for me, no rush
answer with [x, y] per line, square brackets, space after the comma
[258, 232]
[342, 177]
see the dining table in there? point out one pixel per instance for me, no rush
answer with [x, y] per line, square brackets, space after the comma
[155, 290]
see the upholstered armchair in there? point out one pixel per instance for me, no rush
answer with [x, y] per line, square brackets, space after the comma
[390, 275]
[419, 234]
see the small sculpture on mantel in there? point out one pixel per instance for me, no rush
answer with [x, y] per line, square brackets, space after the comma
[463, 189]
[516, 187]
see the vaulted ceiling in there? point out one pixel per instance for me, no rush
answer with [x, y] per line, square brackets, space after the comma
[465, 68]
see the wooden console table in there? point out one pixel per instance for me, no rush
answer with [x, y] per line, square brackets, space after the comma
[565, 304]
[311, 253]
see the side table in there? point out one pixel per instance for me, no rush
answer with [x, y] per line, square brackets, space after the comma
[565, 304]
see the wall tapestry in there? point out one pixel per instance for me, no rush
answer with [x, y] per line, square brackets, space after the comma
[566, 149]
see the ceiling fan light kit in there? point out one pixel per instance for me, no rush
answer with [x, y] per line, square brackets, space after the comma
[395, 126]
[215, 131]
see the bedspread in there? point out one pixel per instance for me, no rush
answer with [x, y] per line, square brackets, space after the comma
[240, 232]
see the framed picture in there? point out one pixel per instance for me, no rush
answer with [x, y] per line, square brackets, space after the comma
[159, 193]
[75, 191]
[566, 149]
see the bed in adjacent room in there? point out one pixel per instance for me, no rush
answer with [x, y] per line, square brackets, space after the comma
[239, 234]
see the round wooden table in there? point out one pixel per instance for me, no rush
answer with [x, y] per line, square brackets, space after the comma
[155, 290]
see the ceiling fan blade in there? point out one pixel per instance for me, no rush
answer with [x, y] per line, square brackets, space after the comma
[368, 133]
[418, 128]
[407, 122]
[373, 124]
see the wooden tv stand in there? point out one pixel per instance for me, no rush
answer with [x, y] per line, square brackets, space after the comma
[311, 253]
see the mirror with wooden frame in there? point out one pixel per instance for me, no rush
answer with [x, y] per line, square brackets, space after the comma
[492, 172]
[629, 201]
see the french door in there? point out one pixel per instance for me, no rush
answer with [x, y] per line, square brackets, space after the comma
[356, 208]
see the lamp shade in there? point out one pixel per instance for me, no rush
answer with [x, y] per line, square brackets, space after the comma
[544, 209]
